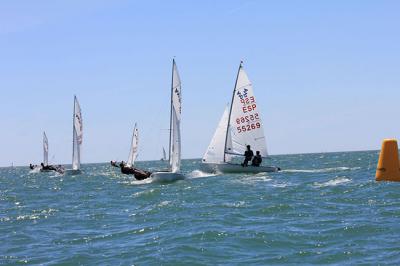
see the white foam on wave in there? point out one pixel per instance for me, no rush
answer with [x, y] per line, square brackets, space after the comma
[198, 174]
[334, 182]
[35, 170]
[322, 170]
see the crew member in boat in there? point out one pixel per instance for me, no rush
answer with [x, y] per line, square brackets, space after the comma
[248, 155]
[257, 159]
[31, 166]
[138, 174]
[47, 167]
[114, 163]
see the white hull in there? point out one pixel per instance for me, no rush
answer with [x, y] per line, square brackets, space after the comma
[237, 168]
[166, 176]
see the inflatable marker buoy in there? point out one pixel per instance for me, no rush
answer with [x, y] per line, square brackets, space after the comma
[388, 165]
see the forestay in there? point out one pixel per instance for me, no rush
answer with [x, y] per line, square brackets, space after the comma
[45, 149]
[77, 136]
[133, 153]
[245, 125]
[175, 120]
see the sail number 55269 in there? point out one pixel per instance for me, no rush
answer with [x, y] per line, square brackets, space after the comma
[248, 127]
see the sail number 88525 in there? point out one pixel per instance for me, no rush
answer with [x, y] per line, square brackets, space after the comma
[248, 127]
[247, 118]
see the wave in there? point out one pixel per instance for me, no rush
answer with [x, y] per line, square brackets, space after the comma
[333, 182]
[198, 174]
[322, 170]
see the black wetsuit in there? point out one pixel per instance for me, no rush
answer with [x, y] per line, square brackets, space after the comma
[257, 159]
[139, 174]
[248, 155]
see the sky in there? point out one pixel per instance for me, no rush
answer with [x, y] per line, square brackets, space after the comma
[326, 74]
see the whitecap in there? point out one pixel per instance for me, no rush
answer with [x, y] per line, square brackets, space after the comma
[198, 174]
[334, 182]
[322, 170]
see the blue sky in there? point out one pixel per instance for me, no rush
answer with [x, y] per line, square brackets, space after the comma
[326, 73]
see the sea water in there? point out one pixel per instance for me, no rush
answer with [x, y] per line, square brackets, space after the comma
[321, 209]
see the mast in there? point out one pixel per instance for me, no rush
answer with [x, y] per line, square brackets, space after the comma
[230, 110]
[170, 117]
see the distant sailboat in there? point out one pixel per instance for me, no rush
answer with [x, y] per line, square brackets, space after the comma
[77, 135]
[239, 126]
[173, 173]
[164, 156]
[45, 149]
[133, 152]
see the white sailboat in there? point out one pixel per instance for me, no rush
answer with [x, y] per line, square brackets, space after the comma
[164, 155]
[173, 173]
[77, 135]
[133, 152]
[45, 149]
[240, 125]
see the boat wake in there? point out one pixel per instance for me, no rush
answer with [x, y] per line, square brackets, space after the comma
[35, 170]
[334, 182]
[199, 174]
[322, 170]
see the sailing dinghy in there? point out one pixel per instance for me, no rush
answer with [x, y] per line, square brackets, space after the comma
[133, 152]
[164, 155]
[77, 134]
[240, 125]
[173, 173]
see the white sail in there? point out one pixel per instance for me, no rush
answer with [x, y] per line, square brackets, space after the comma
[164, 157]
[45, 150]
[77, 136]
[245, 125]
[133, 153]
[215, 150]
[175, 133]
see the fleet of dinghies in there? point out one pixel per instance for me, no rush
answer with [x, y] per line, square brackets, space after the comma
[239, 128]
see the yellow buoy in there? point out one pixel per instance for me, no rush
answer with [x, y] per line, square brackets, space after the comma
[388, 165]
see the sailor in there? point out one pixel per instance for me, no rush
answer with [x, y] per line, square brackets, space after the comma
[248, 155]
[139, 174]
[257, 159]
[114, 163]
[31, 166]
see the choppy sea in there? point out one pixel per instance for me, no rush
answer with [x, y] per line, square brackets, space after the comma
[321, 209]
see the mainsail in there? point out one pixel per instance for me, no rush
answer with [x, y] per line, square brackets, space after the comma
[133, 153]
[175, 121]
[45, 150]
[215, 151]
[77, 136]
[244, 123]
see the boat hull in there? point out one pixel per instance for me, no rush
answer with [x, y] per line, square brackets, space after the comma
[237, 168]
[166, 176]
